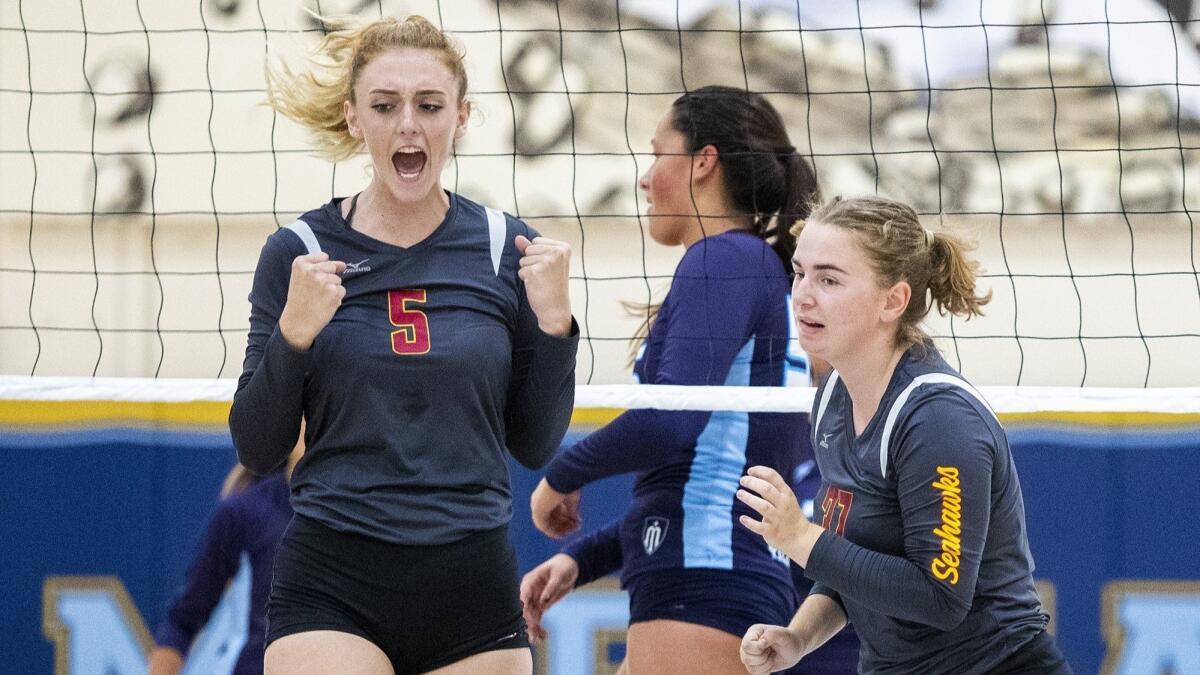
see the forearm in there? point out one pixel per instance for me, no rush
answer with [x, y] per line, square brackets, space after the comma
[634, 441]
[891, 585]
[165, 661]
[818, 619]
[539, 408]
[264, 419]
[597, 553]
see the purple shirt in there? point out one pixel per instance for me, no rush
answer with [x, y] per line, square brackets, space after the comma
[251, 523]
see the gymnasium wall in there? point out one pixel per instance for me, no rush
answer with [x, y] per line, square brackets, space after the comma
[142, 174]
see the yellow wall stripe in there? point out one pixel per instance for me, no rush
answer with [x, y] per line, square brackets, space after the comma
[215, 413]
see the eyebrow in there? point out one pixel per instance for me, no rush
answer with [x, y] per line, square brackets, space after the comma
[820, 267]
[393, 92]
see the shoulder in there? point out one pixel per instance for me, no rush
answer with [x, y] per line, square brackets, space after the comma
[495, 219]
[939, 410]
[302, 234]
[732, 256]
[928, 384]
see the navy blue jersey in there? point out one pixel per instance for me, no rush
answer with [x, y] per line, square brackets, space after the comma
[432, 367]
[725, 321]
[925, 544]
[245, 529]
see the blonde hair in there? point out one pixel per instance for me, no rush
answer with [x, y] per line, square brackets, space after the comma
[935, 264]
[315, 98]
[237, 481]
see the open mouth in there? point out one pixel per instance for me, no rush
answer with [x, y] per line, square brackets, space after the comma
[408, 163]
[811, 324]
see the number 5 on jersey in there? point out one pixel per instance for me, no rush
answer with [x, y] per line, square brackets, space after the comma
[412, 334]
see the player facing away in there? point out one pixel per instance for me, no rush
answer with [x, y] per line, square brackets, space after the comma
[423, 337]
[921, 542]
[598, 553]
[240, 538]
[726, 184]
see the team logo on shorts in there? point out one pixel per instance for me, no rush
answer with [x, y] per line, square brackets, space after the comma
[654, 530]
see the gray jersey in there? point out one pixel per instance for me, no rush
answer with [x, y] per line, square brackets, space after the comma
[925, 544]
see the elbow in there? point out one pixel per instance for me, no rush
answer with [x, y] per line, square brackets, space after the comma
[249, 445]
[948, 615]
[531, 455]
[256, 463]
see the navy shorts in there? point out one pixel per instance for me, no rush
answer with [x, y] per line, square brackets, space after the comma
[424, 606]
[727, 600]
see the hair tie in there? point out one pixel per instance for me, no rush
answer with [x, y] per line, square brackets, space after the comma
[929, 237]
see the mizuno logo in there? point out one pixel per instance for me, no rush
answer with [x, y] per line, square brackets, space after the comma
[352, 268]
[825, 440]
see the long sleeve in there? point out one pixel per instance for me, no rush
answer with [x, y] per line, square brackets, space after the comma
[943, 466]
[265, 417]
[214, 565]
[704, 322]
[542, 393]
[597, 553]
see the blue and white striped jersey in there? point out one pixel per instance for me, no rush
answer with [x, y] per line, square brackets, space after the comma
[725, 321]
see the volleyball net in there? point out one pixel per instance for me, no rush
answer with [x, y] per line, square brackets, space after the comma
[142, 174]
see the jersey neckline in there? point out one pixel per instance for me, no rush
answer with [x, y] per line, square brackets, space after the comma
[334, 209]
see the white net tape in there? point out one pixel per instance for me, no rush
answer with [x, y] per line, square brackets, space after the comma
[1181, 400]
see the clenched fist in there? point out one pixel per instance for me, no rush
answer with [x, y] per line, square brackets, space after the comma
[314, 294]
[554, 513]
[545, 264]
[768, 649]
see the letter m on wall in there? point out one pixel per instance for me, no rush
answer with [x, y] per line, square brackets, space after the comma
[1151, 627]
[94, 626]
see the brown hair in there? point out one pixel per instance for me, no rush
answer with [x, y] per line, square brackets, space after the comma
[899, 248]
[315, 98]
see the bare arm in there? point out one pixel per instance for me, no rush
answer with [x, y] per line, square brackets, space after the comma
[818, 619]
[165, 661]
[767, 649]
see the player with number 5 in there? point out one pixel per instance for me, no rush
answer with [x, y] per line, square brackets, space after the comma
[423, 337]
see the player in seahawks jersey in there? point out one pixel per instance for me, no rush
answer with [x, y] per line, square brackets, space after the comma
[726, 184]
[921, 542]
[423, 337]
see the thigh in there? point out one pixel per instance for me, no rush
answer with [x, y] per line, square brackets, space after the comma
[663, 647]
[325, 651]
[496, 662]
[460, 603]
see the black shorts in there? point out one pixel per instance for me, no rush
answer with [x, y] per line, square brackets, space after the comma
[1039, 656]
[727, 600]
[424, 606]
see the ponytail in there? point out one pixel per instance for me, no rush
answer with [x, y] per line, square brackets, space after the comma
[935, 265]
[952, 278]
